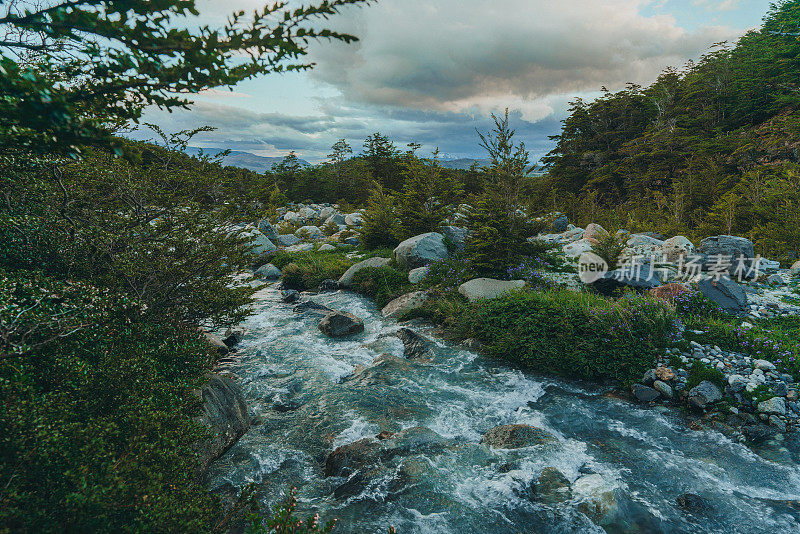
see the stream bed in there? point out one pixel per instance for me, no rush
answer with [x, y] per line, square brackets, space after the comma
[629, 463]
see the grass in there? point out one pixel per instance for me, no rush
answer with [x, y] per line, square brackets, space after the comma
[383, 284]
[700, 372]
[305, 271]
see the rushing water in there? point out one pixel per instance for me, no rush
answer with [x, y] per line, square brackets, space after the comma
[299, 384]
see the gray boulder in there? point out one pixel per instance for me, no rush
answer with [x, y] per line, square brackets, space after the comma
[260, 244]
[456, 235]
[287, 240]
[225, 414]
[516, 437]
[644, 393]
[268, 272]
[354, 219]
[347, 278]
[729, 248]
[415, 276]
[217, 343]
[794, 270]
[704, 394]
[336, 218]
[290, 296]
[725, 292]
[552, 487]
[775, 405]
[347, 459]
[663, 388]
[313, 308]
[488, 288]
[421, 250]
[405, 303]
[677, 247]
[560, 224]
[340, 324]
[415, 346]
[266, 228]
[309, 232]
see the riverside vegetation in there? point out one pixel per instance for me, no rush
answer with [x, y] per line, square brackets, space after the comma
[115, 252]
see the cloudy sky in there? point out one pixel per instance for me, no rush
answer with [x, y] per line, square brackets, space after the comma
[432, 71]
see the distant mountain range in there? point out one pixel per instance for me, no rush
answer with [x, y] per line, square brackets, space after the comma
[246, 160]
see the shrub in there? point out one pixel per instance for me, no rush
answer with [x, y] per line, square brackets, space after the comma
[693, 303]
[307, 270]
[381, 224]
[700, 372]
[330, 228]
[573, 334]
[610, 249]
[449, 273]
[383, 284]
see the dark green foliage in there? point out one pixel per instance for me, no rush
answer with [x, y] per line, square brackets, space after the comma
[609, 248]
[701, 371]
[449, 273]
[283, 521]
[307, 270]
[383, 284]
[381, 223]
[572, 334]
[495, 242]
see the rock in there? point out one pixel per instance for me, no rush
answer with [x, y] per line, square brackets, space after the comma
[729, 248]
[339, 324]
[300, 247]
[669, 291]
[292, 217]
[775, 405]
[703, 394]
[725, 292]
[268, 272]
[595, 231]
[644, 393]
[233, 336]
[347, 459]
[405, 303]
[689, 502]
[421, 250]
[777, 422]
[414, 440]
[327, 286]
[640, 277]
[552, 487]
[290, 296]
[217, 343]
[456, 235]
[307, 213]
[347, 277]
[560, 223]
[488, 288]
[309, 232]
[649, 377]
[225, 414]
[767, 266]
[327, 247]
[764, 365]
[415, 346]
[663, 388]
[794, 270]
[665, 374]
[677, 247]
[415, 276]
[259, 243]
[775, 280]
[287, 240]
[644, 242]
[266, 228]
[598, 502]
[516, 437]
[353, 219]
[574, 250]
[352, 241]
[337, 218]
[327, 212]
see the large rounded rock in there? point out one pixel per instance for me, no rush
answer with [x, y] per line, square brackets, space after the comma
[339, 324]
[676, 248]
[347, 459]
[347, 278]
[595, 231]
[598, 501]
[552, 487]
[727, 248]
[225, 414]
[307, 213]
[725, 292]
[287, 240]
[794, 270]
[575, 249]
[415, 276]
[415, 346]
[516, 437]
[775, 405]
[260, 244]
[309, 232]
[266, 228]
[488, 288]
[405, 303]
[704, 394]
[268, 272]
[354, 219]
[421, 250]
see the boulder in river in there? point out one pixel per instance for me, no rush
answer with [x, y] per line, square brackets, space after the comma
[421, 250]
[725, 292]
[704, 394]
[692, 503]
[644, 393]
[340, 324]
[598, 501]
[552, 487]
[217, 343]
[516, 437]
[405, 303]
[347, 278]
[347, 459]
[488, 288]
[290, 296]
[225, 414]
[313, 307]
[415, 346]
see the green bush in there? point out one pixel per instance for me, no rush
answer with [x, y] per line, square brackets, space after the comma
[381, 224]
[572, 334]
[307, 270]
[383, 284]
[700, 372]
[610, 249]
